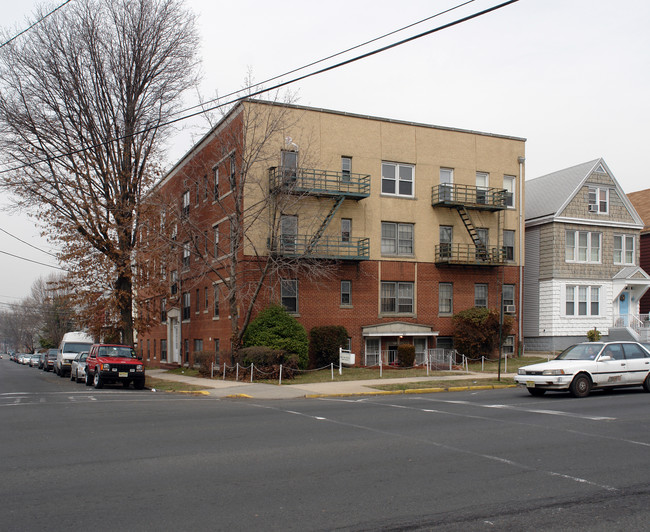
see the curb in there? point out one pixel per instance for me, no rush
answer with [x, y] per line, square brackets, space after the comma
[413, 391]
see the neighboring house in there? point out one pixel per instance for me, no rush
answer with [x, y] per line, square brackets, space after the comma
[641, 202]
[413, 222]
[582, 259]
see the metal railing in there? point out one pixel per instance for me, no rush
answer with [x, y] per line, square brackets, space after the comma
[326, 247]
[319, 182]
[470, 196]
[434, 359]
[635, 321]
[469, 254]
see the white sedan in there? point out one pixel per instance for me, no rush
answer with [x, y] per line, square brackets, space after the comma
[587, 366]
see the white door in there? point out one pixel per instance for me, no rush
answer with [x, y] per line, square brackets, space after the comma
[611, 366]
[638, 363]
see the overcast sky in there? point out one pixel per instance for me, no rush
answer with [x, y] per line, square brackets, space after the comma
[570, 76]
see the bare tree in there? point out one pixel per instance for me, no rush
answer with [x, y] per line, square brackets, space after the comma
[52, 303]
[83, 98]
[232, 167]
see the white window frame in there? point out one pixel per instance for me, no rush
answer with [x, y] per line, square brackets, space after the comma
[510, 257]
[346, 293]
[403, 297]
[346, 168]
[397, 179]
[508, 296]
[289, 291]
[446, 190]
[622, 252]
[400, 244]
[598, 204]
[584, 300]
[481, 300]
[509, 184]
[572, 252]
[445, 300]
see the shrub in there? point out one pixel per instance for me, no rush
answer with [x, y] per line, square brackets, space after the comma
[267, 361]
[476, 331]
[275, 328]
[593, 335]
[406, 355]
[204, 360]
[324, 344]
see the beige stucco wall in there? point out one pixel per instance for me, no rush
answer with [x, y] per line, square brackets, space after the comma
[324, 137]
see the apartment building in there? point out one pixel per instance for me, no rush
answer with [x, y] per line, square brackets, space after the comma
[386, 227]
[582, 259]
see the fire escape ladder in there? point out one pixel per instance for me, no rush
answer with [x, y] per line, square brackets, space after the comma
[319, 233]
[481, 249]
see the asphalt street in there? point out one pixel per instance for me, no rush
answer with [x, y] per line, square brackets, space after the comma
[76, 458]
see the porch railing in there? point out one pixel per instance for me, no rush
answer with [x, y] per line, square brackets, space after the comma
[435, 358]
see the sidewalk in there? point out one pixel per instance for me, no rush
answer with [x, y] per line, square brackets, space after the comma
[232, 389]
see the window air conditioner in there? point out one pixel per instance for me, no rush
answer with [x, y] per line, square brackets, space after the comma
[509, 309]
[593, 207]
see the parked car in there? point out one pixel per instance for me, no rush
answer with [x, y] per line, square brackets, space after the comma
[78, 368]
[41, 360]
[109, 363]
[71, 344]
[49, 359]
[587, 366]
[34, 360]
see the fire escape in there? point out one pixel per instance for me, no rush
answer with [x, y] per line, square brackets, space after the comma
[337, 186]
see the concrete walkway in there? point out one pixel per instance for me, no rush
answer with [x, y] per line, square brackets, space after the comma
[226, 388]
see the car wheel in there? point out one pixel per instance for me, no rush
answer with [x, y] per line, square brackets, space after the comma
[646, 383]
[138, 384]
[581, 386]
[97, 380]
[536, 392]
[89, 381]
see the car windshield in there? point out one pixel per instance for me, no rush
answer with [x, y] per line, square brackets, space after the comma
[580, 352]
[116, 351]
[71, 347]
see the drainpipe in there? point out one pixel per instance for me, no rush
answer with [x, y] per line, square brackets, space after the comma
[521, 161]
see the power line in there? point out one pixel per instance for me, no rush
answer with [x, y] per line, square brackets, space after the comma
[34, 261]
[274, 87]
[27, 243]
[34, 24]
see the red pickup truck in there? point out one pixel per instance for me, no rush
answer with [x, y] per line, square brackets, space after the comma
[110, 363]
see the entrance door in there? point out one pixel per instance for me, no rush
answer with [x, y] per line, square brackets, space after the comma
[392, 354]
[624, 308]
[174, 355]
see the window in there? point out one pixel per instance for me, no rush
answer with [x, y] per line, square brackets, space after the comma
[446, 236]
[509, 186]
[598, 200]
[346, 229]
[216, 349]
[482, 182]
[396, 239]
[586, 297]
[163, 310]
[163, 350]
[216, 301]
[509, 245]
[186, 305]
[397, 297]
[197, 190]
[216, 241]
[205, 187]
[346, 168]
[582, 246]
[481, 295]
[216, 183]
[624, 249]
[233, 169]
[197, 304]
[198, 344]
[174, 280]
[185, 211]
[206, 301]
[397, 179]
[346, 293]
[154, 349]
[509, 345]
[186, 255]
[446, 190]
[289, 163]
[445, 298]
[289, 294]
[148, 349]
[289, 232]
[186, 345]
[508, 296]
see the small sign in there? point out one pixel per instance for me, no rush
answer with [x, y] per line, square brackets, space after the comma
[346, 357]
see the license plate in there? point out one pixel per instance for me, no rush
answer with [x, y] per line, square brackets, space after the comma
[122, 374]
[530, 384]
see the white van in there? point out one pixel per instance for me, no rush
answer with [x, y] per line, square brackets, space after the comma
[72, 344]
